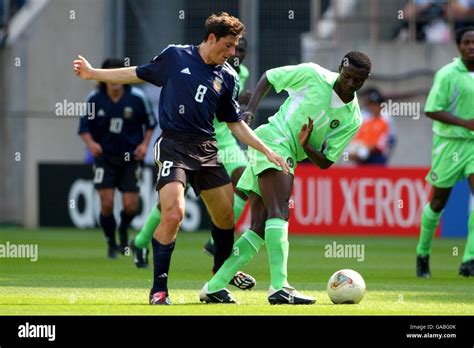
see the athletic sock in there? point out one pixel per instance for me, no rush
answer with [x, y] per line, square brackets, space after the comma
[223, 241]
[143, 238]
[276, 239]
[469, 249]
[161, 265]
[108, 226]
[244, 250]
[429, 223]
[125, 221]
[239, 205]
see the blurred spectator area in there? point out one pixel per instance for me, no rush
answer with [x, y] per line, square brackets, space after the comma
[8, 8]
[45, 35]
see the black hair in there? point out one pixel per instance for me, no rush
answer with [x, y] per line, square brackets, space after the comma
[374, 95]
[111, 63]
[358, 59]
[460, 33]
[243, 41]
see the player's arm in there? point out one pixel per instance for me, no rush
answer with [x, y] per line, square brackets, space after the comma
[262, 89]
[449, 118]
[438, 102]
[85, 71]
[140, 151]
[314, 155]
[93, 146]
[246, 135]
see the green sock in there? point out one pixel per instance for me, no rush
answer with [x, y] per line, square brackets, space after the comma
[243, 251]
[276, 239]
[469, 249]
[239, 205]
[145, 235]
[429, 222]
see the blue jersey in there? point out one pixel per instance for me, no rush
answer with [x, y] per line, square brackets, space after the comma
[193, 92]
[118, 127]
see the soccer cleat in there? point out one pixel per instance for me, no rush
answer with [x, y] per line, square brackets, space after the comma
[288, 295]
[243, 281]
[423, 266]
[467, 268]
[159, 298]
[209, 248]
[221, 296]
[112, 252]
[140, 256]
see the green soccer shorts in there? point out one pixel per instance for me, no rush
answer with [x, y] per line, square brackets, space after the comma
[258, 162]
[452, 160]
[229, 152]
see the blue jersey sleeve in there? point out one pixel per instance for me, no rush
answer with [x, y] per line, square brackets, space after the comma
[156, 71]
[229, 108]
[85, 121]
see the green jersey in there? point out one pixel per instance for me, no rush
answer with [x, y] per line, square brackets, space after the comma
[311, 94]
[452, 91]
[224, 136]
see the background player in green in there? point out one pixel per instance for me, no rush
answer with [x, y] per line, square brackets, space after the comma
[451, 105]
[230, 154]
[317, 121]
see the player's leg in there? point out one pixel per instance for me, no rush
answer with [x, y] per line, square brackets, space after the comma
[143, 238]
[275, 188]
[447, 167]
[467, 266]
[239, 197]
[429, 222]
[163, 242]
[239, 204]
[219, 203]
[130, 207]
[105, 181]
[107, 219]
[244, 250]
[128, 184]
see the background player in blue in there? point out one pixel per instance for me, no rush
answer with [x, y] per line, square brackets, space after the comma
[198, 85]
[117, 137]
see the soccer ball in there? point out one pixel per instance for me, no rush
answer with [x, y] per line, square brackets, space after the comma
[346, 286]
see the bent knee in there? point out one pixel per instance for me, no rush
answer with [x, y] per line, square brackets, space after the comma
[172, 217]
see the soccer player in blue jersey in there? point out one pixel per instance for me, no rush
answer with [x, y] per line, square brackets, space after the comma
[197, 85]
[117, 137]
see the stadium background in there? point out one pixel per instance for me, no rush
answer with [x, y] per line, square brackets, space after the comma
[41, 155]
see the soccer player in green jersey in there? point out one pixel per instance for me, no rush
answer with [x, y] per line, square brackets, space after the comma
[231, 156]
[317, 121]
[451, 106]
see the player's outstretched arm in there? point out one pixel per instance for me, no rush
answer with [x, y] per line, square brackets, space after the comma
[246, 135]
[314, 155]
[83, 69]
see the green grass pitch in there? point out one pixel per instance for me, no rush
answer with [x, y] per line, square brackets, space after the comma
[73, 277]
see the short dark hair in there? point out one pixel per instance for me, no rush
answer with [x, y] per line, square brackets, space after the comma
[460, 33]
[111, 63]
[222, 25]
[374, 95]
[243, 41]
[358, 59]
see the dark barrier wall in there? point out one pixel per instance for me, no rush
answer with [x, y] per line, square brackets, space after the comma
[67, 198]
